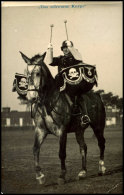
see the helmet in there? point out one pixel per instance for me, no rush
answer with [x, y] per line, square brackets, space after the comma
[66, 44]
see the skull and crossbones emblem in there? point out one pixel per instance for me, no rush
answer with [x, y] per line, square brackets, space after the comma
[73, 73]
[23, 83]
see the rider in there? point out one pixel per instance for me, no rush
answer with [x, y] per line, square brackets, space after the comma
[68, 59]
[71, 57]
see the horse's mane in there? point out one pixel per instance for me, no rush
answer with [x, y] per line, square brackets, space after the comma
[34, 58]
[48, 91]
[48, 73]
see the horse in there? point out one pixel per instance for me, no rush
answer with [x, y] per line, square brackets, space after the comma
[51, 111]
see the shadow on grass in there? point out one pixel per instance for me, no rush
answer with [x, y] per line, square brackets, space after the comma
[109, 172]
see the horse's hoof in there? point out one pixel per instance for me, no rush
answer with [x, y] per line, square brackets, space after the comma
[101, 173]
[102, 170]
[61, 181]
[41, 179]
[81, 175]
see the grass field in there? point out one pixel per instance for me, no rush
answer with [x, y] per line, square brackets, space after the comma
[18, 175]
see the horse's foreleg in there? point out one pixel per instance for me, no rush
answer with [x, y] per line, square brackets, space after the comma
[83, 150]
[39, 138]
[101, 144]
[62, 156]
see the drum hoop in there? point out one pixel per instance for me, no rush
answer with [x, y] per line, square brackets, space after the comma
[76, 65]
[18, 74]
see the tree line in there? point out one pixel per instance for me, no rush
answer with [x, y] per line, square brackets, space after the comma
[111, 100]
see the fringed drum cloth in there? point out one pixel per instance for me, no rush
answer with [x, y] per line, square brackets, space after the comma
[83, 75]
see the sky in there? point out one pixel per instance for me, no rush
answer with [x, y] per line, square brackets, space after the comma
[95, 28]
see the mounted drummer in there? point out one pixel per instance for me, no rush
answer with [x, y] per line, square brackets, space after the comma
[70, 58]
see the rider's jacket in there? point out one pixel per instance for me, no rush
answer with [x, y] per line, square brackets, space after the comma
[64, 61]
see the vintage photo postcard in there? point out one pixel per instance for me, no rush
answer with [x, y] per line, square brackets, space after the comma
[61, 97]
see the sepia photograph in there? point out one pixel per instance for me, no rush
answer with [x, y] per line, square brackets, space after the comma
[61, 97]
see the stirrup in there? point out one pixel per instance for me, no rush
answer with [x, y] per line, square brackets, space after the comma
[85, 120]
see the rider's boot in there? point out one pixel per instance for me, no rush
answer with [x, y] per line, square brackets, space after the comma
[75, 107]
[80, 110]
[85, 120]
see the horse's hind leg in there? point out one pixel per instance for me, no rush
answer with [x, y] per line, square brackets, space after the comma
[83, 150]
[62, 156]
[101, 143]
[39, 138]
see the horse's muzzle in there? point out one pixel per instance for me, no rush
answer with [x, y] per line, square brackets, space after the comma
[32, 93]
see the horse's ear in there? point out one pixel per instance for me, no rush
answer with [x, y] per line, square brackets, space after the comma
[25, 58]
[43, 56]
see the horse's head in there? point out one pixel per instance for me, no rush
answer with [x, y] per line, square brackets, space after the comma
[34, 70]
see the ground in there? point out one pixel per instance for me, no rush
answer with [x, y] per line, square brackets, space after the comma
[18, 175]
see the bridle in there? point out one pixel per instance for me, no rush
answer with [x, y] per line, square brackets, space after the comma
[30, 75]
[38, 99]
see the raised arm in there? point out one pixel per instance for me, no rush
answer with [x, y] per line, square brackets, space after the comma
[49, 59]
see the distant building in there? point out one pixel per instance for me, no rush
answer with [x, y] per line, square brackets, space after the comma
[15, 118]
[113, 116]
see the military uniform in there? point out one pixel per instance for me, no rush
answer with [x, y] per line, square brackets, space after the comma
[64, 61]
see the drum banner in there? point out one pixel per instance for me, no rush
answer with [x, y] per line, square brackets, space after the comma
[76, 75]
[21, 84]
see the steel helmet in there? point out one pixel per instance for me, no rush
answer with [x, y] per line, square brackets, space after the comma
[66, 44]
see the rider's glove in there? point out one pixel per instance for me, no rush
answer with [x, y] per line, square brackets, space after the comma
[50, 46]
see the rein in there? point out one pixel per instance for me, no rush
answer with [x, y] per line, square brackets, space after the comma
[52, 108]
[36, 103]
[66, 113]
